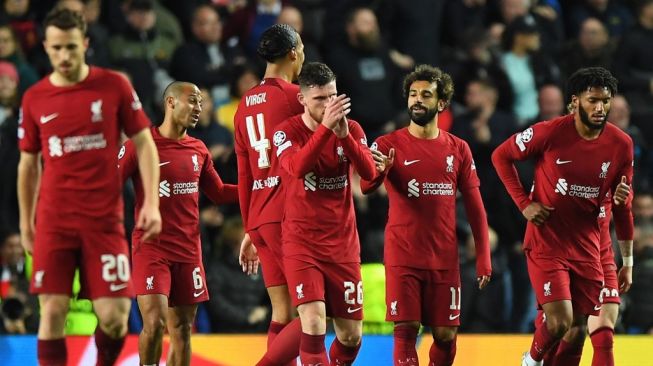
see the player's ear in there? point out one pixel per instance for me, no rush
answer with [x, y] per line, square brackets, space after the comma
[441, 105]
[301, 99]
[293, 54]
[574, 103]
[170, 102]
[86, 42]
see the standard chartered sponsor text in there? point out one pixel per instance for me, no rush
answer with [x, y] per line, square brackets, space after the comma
[87, 142]
[588, 192]
[332, 183]
[185, 188]
[437, 189]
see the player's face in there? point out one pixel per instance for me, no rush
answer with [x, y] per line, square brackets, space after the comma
[188, 107]
[593, 107]
[66, 49]
[423, 102]
[315, 100]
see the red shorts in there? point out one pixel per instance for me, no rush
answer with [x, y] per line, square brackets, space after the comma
[102, 258]
[555, 279]
[182, 283]
[267, 239]
[431, 297]
[339, 285]
[610, 291]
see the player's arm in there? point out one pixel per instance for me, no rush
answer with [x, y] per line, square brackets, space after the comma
[519, 147]
[212, 185]
[623, 220]
[149, 219]
[355, 148]
[29, 173]
[299, 161]
[248, 257]
[383, 164]
[127, 161]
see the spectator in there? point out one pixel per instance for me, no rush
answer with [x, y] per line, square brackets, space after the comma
[592, 48]
[247, 24]
[10, 51]
[143, 52]
[634, 68]
[638, 316]
[240, 306]
[9, 154]
[217, 138]
[204, 60]
[527, 68]
[19, 311]
[551, 103]
[620, 116]
[612, 13]
[243, 78]
[367, 74]
[643, 207]
[97, 53]
[22, 21]
[293, 17]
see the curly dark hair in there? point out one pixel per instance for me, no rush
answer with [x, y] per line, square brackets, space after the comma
[589, 77]
[315, 74]
[65, 19]
[276, 42]
[431, 74]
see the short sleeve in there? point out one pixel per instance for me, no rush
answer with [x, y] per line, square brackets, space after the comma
[127, 160]
[29, 135]
[132, 117]
[467, 176]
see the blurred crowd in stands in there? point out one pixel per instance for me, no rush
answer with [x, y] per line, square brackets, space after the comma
[508, 59]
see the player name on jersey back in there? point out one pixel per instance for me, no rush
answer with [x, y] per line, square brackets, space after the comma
[255, 99]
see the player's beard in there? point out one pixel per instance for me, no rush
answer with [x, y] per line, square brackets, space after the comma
[422, 119]
[585, 119]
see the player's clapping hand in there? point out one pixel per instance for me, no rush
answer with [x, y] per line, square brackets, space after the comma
[537, 213]
[483, 281]
[625, 277]
[622, 192]
[334, 113]
[248, 257]
[149, 220]
[383, 163]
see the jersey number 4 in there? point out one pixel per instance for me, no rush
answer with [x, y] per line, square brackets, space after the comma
[257, 139]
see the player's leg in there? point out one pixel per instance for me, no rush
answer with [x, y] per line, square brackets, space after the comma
[284, 333]
[313, 320]
[570, 348]
[441, 308]
[403, 297]
[105, 278]
[112, 314]
[180, 325]
[344, 302]
[55, 260]
[601, 327]
[154, 309]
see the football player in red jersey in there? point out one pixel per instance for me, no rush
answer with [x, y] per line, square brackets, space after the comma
[168, 272]
[580, 158]
[73, 118]
[421, 248]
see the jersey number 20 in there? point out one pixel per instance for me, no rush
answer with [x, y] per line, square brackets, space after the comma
[257, 139]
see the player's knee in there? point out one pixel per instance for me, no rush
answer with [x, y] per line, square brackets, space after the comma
[182, 331]
[444, 334]
[154, 325]
[558, 326]
[576, 334]
[350, 337]
[54, 309]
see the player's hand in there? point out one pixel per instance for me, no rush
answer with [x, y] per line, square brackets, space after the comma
[483, 281]
[383, 163]
[537, 213]
[336, 109]
[342, 128]
[149, 220]
[27, 238]
[622, 192]
[625, 277]
[248, 257]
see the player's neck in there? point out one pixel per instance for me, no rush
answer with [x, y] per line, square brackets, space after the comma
[429, 131]
[59, 80]
[279, 71]
[585, 132]
[171, 130]
[310, 122]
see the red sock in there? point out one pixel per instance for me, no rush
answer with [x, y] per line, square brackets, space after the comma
[342, 355]
[405, 353]
[542, 341]
[52, 352]
[550, 356]
[108, 349]
[312, 351]
[274, 329]
[602, 341]
[285, 348]
[442, 353]
[568, 354]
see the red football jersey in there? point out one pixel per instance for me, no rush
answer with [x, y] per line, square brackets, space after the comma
[573, 176]
[421, 186]
[319, 216]
[77, 130]
[259, 113]
[186, 167]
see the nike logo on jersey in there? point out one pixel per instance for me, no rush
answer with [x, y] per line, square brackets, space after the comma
[560, 162]
[197, 294]
[164, 163]
[409, 162]
[115, 287]
[48, 118]
[353, 310]
[453, 317]
[597, 307]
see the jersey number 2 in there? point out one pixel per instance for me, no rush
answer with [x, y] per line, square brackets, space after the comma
[257, 139]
